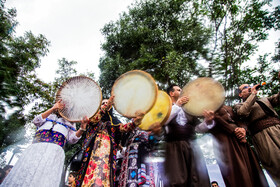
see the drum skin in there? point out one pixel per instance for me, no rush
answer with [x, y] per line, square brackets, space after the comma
[204, 93]
[159, 113]
[82, 97]
[134, 91]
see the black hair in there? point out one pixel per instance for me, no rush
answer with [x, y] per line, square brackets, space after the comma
[214, 182]
[7, 167]
[74, 174]
[171, 88]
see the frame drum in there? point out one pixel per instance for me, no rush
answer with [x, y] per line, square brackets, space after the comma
[159, 113]
[204, 94]
[134, 91]
[82, 97]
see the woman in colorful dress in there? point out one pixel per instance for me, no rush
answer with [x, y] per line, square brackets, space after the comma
[42, 162]
[104, 133]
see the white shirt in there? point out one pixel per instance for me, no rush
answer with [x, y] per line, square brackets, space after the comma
[68, 133]
[182, 120]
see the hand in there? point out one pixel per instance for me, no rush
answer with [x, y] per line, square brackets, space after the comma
[182, 100]
[84, 122]
[156, 128]
[208, 116]
[138, 119]
[254, 89]
[240, 133]
[111, 100]
[243, 140]
[58, 105]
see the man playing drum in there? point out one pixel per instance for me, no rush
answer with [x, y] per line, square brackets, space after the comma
[184, 165]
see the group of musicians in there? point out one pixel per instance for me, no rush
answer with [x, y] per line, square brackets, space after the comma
[42, 162]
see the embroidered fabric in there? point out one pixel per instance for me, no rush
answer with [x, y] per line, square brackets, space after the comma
[50, 137]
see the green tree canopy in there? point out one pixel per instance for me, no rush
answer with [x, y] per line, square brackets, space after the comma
[163, 37]
[19, 86]
[176, 41]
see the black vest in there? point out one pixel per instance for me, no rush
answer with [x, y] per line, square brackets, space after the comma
[178, 132]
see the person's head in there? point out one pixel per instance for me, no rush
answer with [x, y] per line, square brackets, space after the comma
[2, 175]
[71, 177]
[104, 102]
[7, 169]
[174, 91]
[214, 184]
[244, 91]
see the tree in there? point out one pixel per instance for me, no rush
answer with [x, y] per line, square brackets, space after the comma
[176, 41]
[19, 86]
[163, 37]
[238, 26]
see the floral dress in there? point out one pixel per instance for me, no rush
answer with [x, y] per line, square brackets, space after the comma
[99, 163]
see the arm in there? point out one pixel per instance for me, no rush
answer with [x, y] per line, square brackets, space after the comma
[75, 136]
[57, 105]
[174, 111]
[244, 109]
[275, 99]
[177, 107]
[132, 125]
[208, 122]
[83, 127]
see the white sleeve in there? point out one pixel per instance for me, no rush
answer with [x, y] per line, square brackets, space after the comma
[72, 138]
[38, 120]
[203, 127]
[174, 111]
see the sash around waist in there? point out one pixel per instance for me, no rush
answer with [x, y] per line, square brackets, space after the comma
[50, 137]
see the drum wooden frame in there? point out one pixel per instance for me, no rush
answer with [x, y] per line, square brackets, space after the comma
[204, 93]
[81, 95]
[134, 91]
[159, 113]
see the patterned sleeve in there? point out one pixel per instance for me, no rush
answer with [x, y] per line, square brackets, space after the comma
[127, 127]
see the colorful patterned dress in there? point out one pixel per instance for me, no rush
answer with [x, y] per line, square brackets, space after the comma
[136, 170]
[99, 163]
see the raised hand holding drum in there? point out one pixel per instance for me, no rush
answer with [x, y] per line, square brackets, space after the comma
[134, 91]
[204, 93]
[82, 97]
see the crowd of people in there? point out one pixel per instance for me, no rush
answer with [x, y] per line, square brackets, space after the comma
[42, 162]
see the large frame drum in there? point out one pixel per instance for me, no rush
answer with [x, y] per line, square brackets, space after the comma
[159, 113]
[134, 91]
[204, 93]
[82, 97]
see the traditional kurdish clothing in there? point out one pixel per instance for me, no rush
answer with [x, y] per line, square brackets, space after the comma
[184, 164]
[238, 163]
[264, 126]
[42, 162]
[99, 163]
[135, 168]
